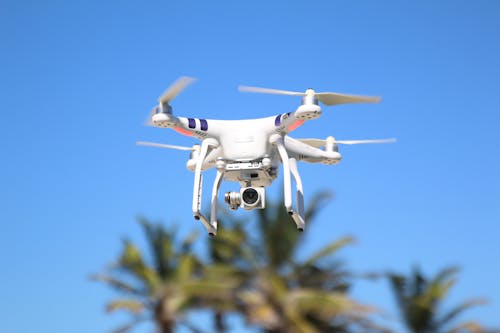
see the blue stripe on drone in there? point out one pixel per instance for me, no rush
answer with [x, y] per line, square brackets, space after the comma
[191, 123]
[203, 125]
[277, 121]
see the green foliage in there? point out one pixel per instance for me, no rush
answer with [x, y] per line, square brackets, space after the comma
[259, 276]
[280, 293]
[162, 288]
[129, 305]
[420, 300]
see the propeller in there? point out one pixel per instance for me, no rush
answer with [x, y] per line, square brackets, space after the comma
[331, 140]
[179, 85]
[327, 98]
[163, 145]
[168, 95]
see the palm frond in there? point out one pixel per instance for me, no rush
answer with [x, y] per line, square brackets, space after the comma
[329, 250]
[185, 267]
[467, 327]
[325, 304]
[131, 262]
[446, 274]
[127, 327]
[161, 246]
[420, 299]
[459, 309]
[300, 324]
[118, 284]
[130, 305]
[399, 285]
[188, 242]
[317, 202]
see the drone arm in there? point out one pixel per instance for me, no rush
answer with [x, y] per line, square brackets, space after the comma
[290, 121]
[193, 127]
[308, 153]
[287, 122]
[185, 126]
[301, 150]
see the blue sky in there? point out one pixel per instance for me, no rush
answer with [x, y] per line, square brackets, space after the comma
[77, 80]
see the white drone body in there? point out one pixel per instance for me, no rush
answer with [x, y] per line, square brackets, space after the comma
[250, 151]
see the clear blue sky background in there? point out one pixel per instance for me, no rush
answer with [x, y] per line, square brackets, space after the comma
[77, 79]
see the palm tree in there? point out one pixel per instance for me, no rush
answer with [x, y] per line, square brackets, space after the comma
[165, 288]
[228, 252]
[278, 239]
[288, 302]
[420, 300]
[280, 293]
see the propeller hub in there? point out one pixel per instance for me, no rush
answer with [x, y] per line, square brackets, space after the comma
[165, 99]
[165, 108]
[330, 145]
[310, 98]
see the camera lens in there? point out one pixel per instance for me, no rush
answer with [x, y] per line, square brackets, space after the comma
[250, 196]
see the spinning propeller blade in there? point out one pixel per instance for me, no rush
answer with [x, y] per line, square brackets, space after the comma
[331, 98]
[327, 98]
[269, 91]
[149, 119]
[356, 142]
[175, 89]
[320, 142]
[162, 145]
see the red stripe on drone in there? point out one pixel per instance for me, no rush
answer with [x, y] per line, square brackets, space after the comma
[294, 125]
[183, 131]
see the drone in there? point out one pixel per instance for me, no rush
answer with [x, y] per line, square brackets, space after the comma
[250, 151]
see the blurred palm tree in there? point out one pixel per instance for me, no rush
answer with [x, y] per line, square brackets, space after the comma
[277, 291]
[420, 302]
[256, 270]
[164, 288]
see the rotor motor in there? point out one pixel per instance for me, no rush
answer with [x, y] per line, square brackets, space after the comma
[310, 98]
[161, 115]
[332, 149]
[330, 145]
[310, 108]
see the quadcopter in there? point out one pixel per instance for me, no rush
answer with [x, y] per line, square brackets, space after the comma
[250, 151]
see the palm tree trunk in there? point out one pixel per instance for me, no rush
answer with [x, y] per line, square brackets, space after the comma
[164, 322]
[166, 326]
[220, 323]
[275, 330]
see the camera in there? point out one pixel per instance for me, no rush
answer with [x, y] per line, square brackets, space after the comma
[248, 198]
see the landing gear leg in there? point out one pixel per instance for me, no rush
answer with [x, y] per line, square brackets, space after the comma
[298, 217]
[197, 187]
[215, 194]
[290, 167]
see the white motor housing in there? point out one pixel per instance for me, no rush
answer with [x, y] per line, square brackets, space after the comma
[164, 120]
[308, 111]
